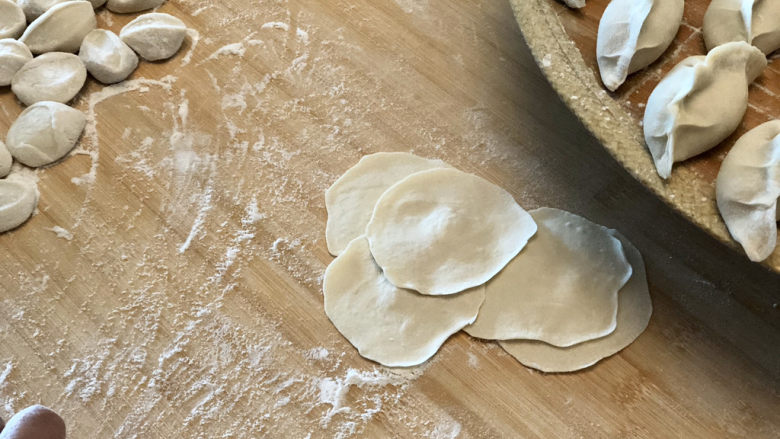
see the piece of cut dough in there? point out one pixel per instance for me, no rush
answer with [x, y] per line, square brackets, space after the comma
[754, 21]
[748, 187]
[442, 231]
[61, 28]
[633, 315]
[35, 8]
[351, 199]
[392, 326]
[700, 103]
[18, 199]
[130, 6]
[634, 33]
[44, 133]
[13, 55]
[107, 57]
[562, 289]
[12, 21]
[55, 76]
[5, 160]
[154, 36]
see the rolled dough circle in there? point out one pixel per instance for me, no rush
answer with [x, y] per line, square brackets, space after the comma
[634, 310]
[390, 325]
[562, 289]
[443, 231]
[351, 199]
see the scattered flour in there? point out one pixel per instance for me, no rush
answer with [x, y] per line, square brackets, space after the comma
[61, 233]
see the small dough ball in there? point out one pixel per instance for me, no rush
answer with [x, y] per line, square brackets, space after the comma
[5, 160]
[130, 6]
[12, 21]
[561, 289]
[44, 133]
[390, 325]
[55, 76]
[443, 231]
[351, 199]
[35, 8]
[107, 57]
[154, 36]
[634, 310]
[61, 28]
[13, 55]
[36, 422]
[18, 199]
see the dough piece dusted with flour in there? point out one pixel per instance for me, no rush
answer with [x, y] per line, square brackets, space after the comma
[443, 231]
[13, 55]
[12, 21]
[18, 199]
[44, 133]
[107, 57]
[61, 28]
[130, 6]
[700, 103]
[55, 76]
[634, 33]
[154, 36]
[35, 422]
[748, 187]
[562, 289]
[390, 325]
[754, 21]
[633, 315]
[5, 160]
[351, 199]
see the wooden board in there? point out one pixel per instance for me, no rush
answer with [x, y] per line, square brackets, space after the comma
[183, 298]
[563, 42]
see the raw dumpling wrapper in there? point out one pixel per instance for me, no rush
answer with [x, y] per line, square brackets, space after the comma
[748, 187]
[634, 33]
[351, 199]
[633, 315]
[443, 231]
[392, 326]
[754, 21]
[700, 103]
[561, 289]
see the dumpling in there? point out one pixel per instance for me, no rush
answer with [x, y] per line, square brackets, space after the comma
[748, 187]
[754, 21]
[634, 33]
[700, 103]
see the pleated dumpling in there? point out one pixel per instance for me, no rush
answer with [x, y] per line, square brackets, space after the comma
[748, 188]
[753, 21]
[699, 103]
[632, 34]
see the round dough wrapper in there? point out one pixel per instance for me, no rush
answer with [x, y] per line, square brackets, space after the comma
[389, 325]
[154, 36]
[61, 28]
[44, 133]
[5, 160]
[634, 310]
[443, 231]
[562, 289]
[13, 55]
[107, 57]
[351, 199]
[18, 199]
[12, 20]
[55, 76]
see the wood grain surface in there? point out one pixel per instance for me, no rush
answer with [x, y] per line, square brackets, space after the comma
[182, 296]
[563, 42]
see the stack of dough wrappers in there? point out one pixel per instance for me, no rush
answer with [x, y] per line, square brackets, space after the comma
[424, 250]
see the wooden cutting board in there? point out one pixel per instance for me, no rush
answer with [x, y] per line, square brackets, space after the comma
[563, 42]
[169, 285]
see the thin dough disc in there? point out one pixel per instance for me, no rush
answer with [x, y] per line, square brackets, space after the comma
[351, 199]
[634, 310]
[443, 231]
[562, 289]
[389, 325]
